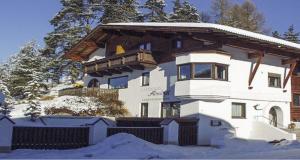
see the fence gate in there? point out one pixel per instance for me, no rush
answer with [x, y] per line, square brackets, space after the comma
[187, 134]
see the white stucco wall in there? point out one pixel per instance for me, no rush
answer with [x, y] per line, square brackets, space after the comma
[202, 97]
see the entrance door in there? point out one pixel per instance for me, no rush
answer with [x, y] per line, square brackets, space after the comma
[273, 117]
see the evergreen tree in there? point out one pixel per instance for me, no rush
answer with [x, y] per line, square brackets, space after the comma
[27, 62]
[184, 12]
[33, 90]
[221, 11]
[120, 11]
[156, 11]
[291, 35]
[5, 107]
[71, 23]
[276, 34]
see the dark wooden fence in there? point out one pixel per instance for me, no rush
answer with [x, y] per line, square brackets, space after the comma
[50, 137]
[150, 134]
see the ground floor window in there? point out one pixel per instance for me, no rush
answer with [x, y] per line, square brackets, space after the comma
[296, 100]
[170, 109]
[144, 110]
[118, 82]
[238, 110]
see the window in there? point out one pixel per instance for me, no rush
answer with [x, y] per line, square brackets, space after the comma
[184, 72]
[220, 72]
[93, 83]
[274, 80]
[238, 110]
[177, 44]
[296, 100]
[146, 46]
[170, 109]
[297, 70]
[146, 79]
[118, 82]
[202, 70]
[144, 110]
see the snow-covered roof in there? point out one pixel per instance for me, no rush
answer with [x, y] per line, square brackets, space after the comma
[223, 28]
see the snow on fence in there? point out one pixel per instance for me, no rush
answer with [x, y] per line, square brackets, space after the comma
[50, 137]
[89, 92]
[150, 134]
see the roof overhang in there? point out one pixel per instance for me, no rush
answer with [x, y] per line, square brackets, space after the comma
[206, 31]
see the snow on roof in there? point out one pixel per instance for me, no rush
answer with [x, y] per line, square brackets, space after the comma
[228, 29]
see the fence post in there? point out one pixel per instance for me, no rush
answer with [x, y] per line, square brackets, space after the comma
[171, 131]
[6, 132]
[98, 131]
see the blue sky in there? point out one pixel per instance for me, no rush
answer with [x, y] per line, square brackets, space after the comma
[25, 20]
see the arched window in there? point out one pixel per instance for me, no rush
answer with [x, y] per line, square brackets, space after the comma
[93, 83]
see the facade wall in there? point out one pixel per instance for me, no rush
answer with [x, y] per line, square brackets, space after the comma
[165, 88]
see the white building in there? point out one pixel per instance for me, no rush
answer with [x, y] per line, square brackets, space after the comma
[224, 76]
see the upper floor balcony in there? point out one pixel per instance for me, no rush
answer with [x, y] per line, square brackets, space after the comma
[117, 64]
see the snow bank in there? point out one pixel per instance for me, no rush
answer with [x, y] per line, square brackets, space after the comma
[73, 103]
[118, 146]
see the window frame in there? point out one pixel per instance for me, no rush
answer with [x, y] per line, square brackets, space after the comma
[244, 111]
[178, 71]
[143, 80]
[142, 109]
[213, 74]
[144, 45]
[175, 43]
[109, 80]
[294, 104]
[274, 75]
[171, 105]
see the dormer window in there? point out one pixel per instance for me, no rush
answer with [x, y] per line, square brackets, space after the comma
[145, 46]
[177, 44]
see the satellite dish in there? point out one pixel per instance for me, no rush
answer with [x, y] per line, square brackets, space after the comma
[2, 98]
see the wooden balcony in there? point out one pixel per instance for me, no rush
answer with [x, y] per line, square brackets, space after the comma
[127, 62]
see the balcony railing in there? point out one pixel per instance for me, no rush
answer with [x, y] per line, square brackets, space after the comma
[132, 60]
[89, 92]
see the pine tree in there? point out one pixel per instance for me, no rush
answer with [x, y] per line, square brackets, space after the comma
[156, 11]
[28, 61]
[221, 11]
[276, 34]
[184, 13]
[5, 107]
[33, 90]
[71, 23]
[291, 35]
[120, 11]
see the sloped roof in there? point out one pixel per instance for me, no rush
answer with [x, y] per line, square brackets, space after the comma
[213, 26]
[88, 44]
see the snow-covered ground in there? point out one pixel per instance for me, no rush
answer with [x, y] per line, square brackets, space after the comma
[128, 146]
[72, 102]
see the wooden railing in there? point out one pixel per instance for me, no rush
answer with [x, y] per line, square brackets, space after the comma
[50, 137]
[89, 92]
[131, 57]
[150, 134]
